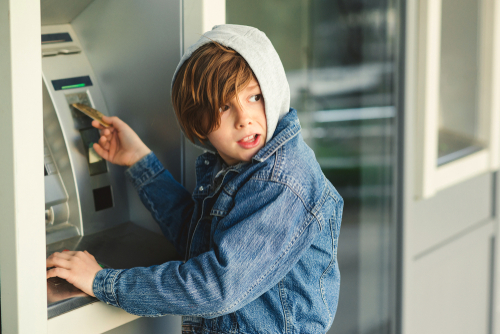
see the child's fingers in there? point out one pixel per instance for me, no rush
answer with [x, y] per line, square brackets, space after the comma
[106, 144]
[91, 256]
[98, 125]
[102, 152]
[58, 272]
[108, 119]
[105, 133]
[102, 141]
[101, 127]
[113, 121]
[108, 134]
[63, 255]
[60, 261]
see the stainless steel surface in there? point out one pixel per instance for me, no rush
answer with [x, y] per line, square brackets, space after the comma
[134, 48]
[61, 11]
[58, 203]
[63, 297]
[135, 86]
[122, 247]
[63, 50]
[70, 155]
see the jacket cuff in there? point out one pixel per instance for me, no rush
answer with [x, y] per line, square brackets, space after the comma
[144, 170]
[104, 285]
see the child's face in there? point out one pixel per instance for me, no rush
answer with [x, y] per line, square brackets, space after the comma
[243, 127]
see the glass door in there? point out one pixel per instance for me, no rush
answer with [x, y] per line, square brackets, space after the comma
[340, 61]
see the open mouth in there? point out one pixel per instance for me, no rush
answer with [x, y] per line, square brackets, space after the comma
[250, 141]
[249, 138]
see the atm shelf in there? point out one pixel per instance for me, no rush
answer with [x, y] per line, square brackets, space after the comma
[122, 247]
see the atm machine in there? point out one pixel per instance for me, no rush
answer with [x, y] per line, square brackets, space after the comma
[88, 204]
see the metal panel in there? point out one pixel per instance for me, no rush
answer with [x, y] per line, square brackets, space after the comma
[65, 174]
[70, 153]
[61, 11]
[451, 211]
[451, 294]
[134, 48]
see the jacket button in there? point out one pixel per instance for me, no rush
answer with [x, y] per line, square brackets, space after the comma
[200, 188]
[207, 162]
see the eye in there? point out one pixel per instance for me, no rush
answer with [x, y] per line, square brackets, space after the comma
[255, 98]
[224, 108]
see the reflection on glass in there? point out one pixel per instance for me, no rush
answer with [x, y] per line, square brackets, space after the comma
[339, 59]
[459, 133]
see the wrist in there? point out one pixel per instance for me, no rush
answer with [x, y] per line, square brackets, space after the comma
[139, 155]
[92, 284]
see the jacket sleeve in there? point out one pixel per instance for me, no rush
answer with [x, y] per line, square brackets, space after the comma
[168, 201]
[254, 247]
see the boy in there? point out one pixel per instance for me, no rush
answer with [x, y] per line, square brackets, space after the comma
[259, 234]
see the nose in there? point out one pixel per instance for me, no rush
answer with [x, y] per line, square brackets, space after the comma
[243, 117]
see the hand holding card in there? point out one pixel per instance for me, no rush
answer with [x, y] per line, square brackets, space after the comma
[91, 112]
[119, 144]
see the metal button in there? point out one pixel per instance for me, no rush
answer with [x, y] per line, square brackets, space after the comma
[200, 188]
[207, 162]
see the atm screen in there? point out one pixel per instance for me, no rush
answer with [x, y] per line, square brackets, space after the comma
[72, 83]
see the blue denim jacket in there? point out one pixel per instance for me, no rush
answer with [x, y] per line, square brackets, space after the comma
[260, 244]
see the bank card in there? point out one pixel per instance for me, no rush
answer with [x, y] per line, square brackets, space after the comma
[91, 112]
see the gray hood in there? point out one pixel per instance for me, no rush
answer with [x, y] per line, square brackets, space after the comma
[253, 45]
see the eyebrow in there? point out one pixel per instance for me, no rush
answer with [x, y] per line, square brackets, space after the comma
[250, 87]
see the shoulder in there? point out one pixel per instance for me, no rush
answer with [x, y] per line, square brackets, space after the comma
[295, 165]
[288, 161]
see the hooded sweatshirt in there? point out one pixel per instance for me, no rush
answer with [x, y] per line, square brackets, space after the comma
[253, 45]
[259, 245]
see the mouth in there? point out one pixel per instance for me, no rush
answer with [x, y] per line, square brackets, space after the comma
[250, 141]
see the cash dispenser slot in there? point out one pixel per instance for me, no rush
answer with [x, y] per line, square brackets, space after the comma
[86, 205]
[56, 38]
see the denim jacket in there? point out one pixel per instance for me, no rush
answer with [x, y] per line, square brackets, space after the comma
[260, 244]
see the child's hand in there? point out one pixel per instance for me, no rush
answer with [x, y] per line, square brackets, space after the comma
[119, 144]
[78, 268]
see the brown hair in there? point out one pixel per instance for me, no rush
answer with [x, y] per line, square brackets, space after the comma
[209, 79]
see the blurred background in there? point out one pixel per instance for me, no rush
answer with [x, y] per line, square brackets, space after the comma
[340, 59]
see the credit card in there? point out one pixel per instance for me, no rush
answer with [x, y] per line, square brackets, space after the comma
[91, 112]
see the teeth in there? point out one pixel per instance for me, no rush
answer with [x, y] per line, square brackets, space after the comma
[249, 138]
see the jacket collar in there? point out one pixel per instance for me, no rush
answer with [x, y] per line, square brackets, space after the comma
[287, 128]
